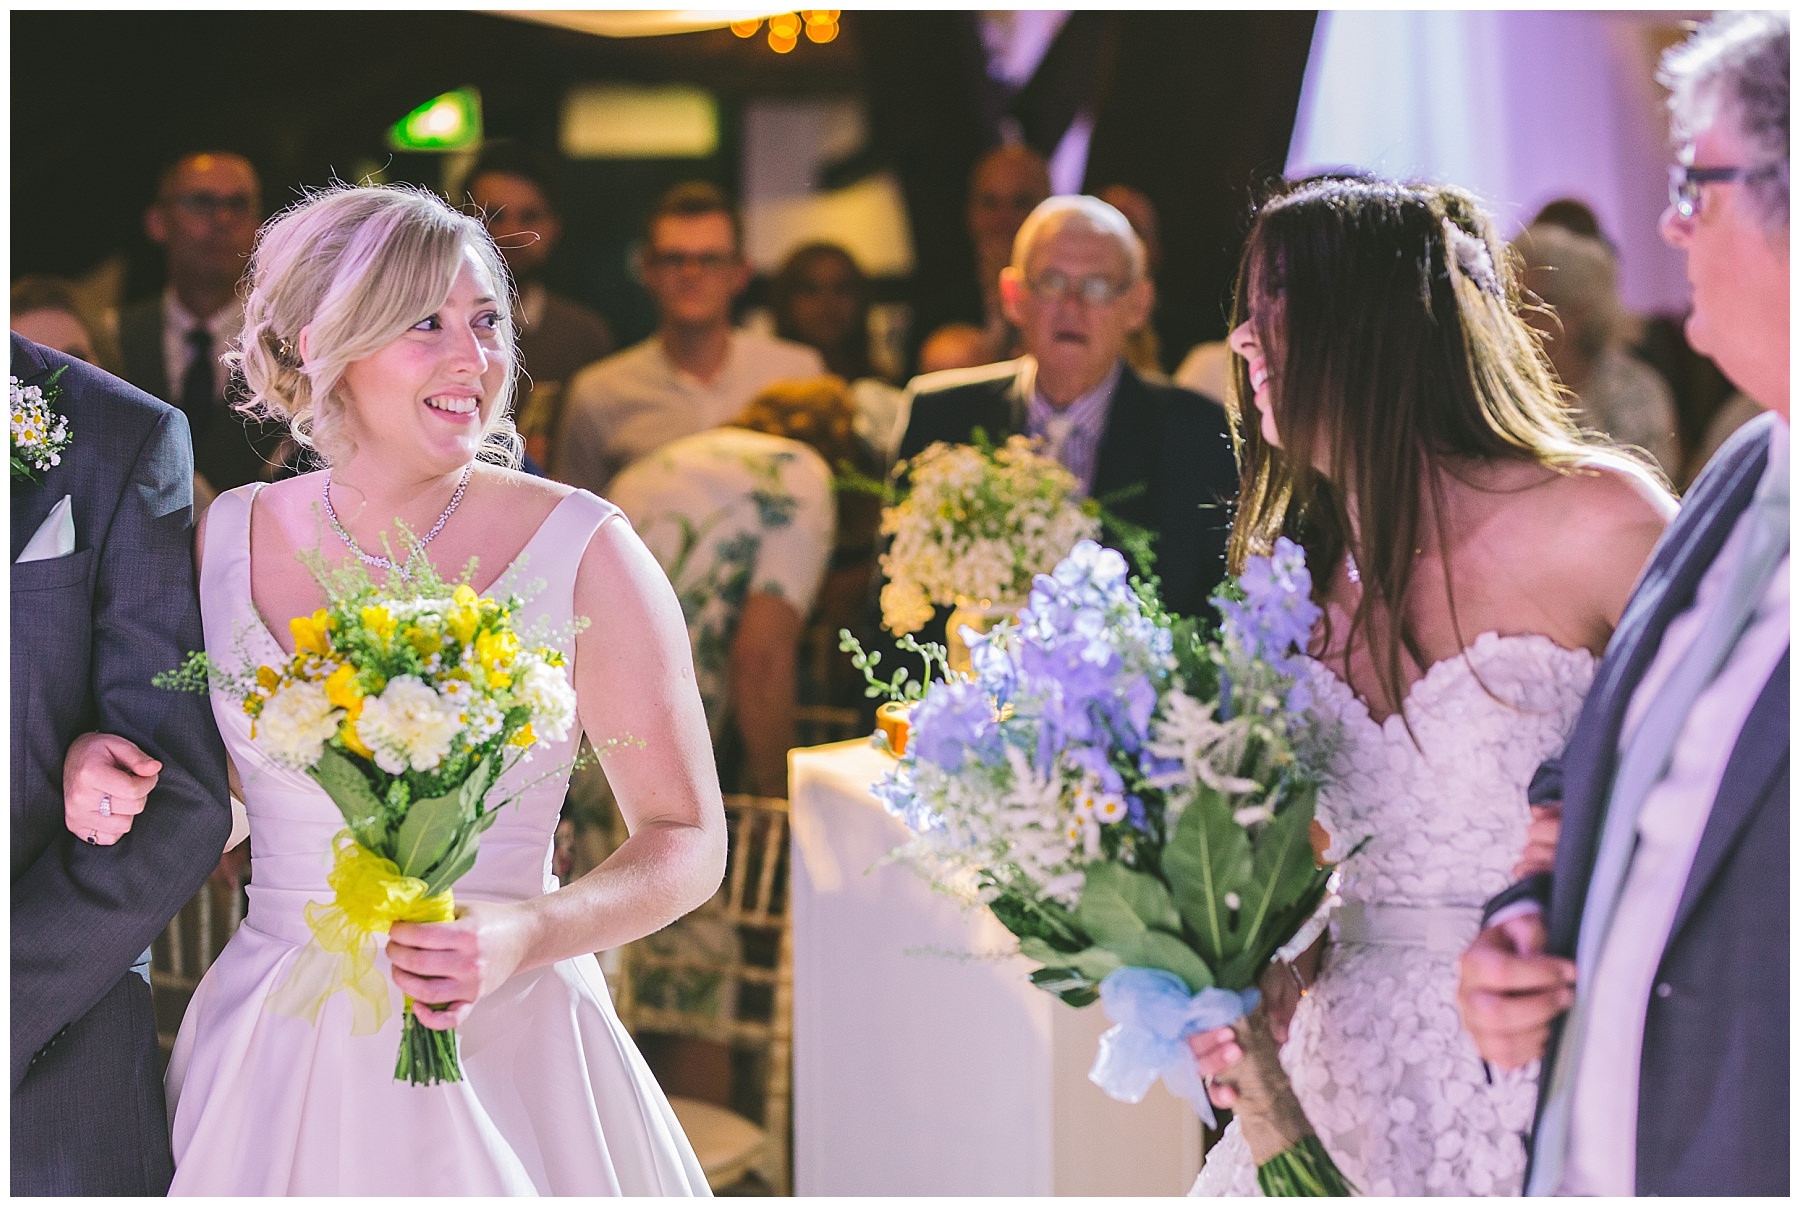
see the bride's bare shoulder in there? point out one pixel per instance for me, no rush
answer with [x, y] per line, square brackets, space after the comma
[1595, 528]
[1609, 496]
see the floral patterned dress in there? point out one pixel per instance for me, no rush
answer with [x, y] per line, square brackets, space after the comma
[730, 512]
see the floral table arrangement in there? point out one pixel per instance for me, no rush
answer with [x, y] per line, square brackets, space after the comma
[1133, 799]
[406, 708]
[976, 525]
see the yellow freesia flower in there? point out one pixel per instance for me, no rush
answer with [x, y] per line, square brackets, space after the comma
[342, 691]
[426, 641]
[379, 621]
[351, 739]
[268, 678]
[465, 618]
[312, 634]
[495, 651]
[524, 737]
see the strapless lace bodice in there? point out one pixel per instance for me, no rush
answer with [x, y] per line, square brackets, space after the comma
[1446, 817]
[1376, 1052]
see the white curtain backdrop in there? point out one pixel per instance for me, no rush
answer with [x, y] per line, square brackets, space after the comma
[1520, 107]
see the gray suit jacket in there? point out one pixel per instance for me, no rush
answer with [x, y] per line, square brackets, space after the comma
[89, 630]
[1713, 1093]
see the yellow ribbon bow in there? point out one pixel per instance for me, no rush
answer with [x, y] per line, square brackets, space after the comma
[371, 895]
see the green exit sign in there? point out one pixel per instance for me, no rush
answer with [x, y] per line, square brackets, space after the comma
[451, 122]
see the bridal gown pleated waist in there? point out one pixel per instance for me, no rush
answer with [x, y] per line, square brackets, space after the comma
[556, 1099]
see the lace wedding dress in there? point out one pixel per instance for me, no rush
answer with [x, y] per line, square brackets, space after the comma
[556, 1099]
[1376, 1052]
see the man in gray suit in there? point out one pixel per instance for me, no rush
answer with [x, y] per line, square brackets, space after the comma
[1645, 956]
[103, 598]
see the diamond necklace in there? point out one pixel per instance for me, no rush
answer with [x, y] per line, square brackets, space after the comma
[383, 563]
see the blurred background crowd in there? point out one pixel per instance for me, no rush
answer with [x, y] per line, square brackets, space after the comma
[694, 216]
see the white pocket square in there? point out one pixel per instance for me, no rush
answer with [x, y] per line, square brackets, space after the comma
[55, 537]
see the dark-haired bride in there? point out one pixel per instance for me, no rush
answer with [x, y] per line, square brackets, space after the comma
[1472, 552]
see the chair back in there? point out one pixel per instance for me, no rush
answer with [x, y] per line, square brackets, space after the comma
[184, 951]
[736, 990]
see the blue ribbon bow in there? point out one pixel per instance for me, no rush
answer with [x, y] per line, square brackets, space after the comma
[1155, 1014]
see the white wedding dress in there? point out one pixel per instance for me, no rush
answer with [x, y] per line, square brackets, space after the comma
[1377, 1053]
[556, 1098]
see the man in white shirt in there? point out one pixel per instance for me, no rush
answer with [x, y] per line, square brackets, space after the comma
[1648, 963]
[697, 370]
[204, 217]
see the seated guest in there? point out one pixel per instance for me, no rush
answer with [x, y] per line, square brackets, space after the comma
[46, 311]
[820, 297]
[742, 519]
[1616, 394]
[518, 194]
[204, 218]
[696, 370]
[1005, 185]
[1155, 456]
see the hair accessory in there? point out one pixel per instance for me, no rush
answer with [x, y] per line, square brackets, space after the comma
[286, 353]
[1472, 258]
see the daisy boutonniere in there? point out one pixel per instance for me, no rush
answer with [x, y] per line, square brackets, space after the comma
[39, 433]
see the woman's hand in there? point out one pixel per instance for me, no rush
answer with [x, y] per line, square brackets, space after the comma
[1540, 841]
[446, 967]
[1214, 1052]
[106, 780]
[1217, 1050]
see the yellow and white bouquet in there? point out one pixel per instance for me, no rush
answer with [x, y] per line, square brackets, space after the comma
[406, 708]
[978, 523]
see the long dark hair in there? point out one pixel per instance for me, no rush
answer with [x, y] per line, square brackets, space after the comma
[1389, 318]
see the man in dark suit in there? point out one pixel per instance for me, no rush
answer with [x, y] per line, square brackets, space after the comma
[1645, 956]
[204, 218]
[103, 597]
[1155, 456]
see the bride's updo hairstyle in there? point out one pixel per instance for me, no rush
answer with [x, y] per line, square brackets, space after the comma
[1389, 317]
[357, 266]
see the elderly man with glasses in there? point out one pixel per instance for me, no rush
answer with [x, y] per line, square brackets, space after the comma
[696, 371]
[204, 217]
[1645, 956]
[1156, 457]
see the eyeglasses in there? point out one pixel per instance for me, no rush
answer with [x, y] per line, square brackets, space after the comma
[706, 261]
[206, 205]
[1685, 182]
[1094, 291]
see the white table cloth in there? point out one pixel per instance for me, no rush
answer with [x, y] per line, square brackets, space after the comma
[925, 1063]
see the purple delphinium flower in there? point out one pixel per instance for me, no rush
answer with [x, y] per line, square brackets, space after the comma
[1274, 621]
[954, 720]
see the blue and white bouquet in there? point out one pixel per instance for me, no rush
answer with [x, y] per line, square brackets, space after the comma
[1133, 798]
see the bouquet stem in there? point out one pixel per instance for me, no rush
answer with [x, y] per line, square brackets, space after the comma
[1290, 1161]
[427, 1057]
